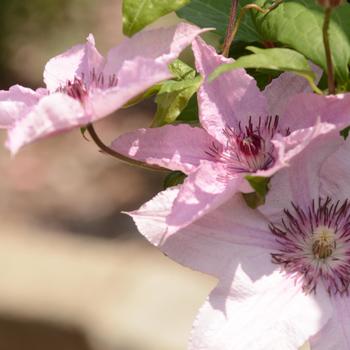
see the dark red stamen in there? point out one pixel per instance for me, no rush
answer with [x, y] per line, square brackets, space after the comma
[249, 148]
[80, 87]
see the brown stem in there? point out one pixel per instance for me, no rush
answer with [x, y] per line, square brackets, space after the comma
[231, 22]
[330, 73]
[241, 15]
[104, 148]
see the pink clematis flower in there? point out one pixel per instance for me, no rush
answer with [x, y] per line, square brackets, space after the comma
[244, 131]
[82, 86]
[283, 269]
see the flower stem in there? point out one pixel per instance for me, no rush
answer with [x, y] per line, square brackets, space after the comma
[330, 73]
[230, 27]
[234, 25]
[105, 149]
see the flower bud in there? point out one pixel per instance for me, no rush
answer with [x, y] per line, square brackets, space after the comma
[330, 3]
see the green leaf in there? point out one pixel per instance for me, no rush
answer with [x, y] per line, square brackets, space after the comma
[181, 70]
[253, 200]
[343, 87]
[173, 179]
[262, 76]
[275, 59]
[137, 14]
[298, 24]
[172, 98]
[174, 95]
[215, 14]
[189, 114]
[260, 185]
[148, 93]
[345, 132]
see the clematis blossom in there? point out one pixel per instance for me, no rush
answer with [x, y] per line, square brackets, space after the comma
[283, 269]
[82, 86]
[244, 131]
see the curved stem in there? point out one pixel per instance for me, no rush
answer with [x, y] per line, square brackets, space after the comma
[327, 48]
[104, 148]
[244, 10]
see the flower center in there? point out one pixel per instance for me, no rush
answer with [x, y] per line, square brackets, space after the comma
[81, 87]
[250, 145]
[76, 89]
[249, 148]
[323, 242]
[314, 245]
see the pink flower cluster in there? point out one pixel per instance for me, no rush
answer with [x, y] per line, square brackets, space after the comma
[283, 268]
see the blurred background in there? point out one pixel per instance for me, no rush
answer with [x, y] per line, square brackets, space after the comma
[74, 273]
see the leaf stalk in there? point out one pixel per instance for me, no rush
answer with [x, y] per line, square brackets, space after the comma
[230, 28]
[233, 25]
[325, 32]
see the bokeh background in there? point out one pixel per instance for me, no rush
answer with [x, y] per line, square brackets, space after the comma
[74, 273]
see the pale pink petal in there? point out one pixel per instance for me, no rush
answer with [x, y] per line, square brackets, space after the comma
[335, 174]
[281, 160]
[335, 335]
[210, 243]
[159, 45]
[15, 103]
[200, 244]
[179, 147]
[202, 191]
[271, 313]
[236, 248]
[230, 98]
[303, 110]
[53, 113]
[42, 92]
[134, 78]
[286, 148]
[279, 196]
[80, 60]
[284, 87]
[300, 182]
